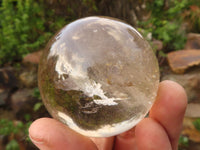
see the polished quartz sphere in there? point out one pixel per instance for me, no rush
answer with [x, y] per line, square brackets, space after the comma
[98, 76]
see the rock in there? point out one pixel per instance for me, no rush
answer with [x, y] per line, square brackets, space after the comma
[8, 78]
[190, 81]
[157, 44]
[21, 99]
[189, 130]
[33, 58]
[193, 146]
[193, 110]
[28, 78]
[1, 142]
[3, 96]
[193, 41]
[23, 102]
[180, 61]
[193, 134]
[6, 114]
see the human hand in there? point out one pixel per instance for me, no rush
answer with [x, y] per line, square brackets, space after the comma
[158, 132]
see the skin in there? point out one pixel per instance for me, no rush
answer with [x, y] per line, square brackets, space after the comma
[160, 131]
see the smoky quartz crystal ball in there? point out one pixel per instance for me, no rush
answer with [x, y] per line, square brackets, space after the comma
[98, 76]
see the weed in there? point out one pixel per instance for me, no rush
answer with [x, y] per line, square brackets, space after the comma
[183, 142]
[165, 22]
[197, 124]
[13, 129]
[21, 29]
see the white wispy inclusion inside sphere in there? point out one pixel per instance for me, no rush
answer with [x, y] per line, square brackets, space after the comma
[98, 76]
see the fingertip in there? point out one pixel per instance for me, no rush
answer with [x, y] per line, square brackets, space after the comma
[151, 135]
[48, 133]
[171, 98]
[35, 128]
[173, 89]
[37, 133]
[169, 109]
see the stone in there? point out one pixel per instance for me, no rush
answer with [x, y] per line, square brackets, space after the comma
[8, 78]
[33, 58]
[3, 96]
[98, 76]
[6, 114]
[193, 41]
[189, 130]
[192, 134]
[157, 44]
[193, 110]
[20, 99]
[190, 81]
[1, 142]
[180, 61]
[28, 79]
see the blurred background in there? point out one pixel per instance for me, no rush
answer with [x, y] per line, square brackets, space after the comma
[172, 27]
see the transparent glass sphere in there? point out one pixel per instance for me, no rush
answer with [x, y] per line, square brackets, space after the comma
[98, 76]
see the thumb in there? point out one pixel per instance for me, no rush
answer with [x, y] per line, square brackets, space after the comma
[50, 134]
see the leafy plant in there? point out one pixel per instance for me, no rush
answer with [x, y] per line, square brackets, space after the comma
[197, 124]
[12, 129]
[91, 4]
[165, 22]
[7, 127]
[183, 142]
[192, 16]
[36, 93]
[12, 145]
[37, 106]
[21, 29]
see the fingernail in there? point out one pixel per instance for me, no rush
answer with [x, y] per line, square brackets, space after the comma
[36, 141]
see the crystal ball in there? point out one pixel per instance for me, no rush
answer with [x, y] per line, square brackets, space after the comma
[98, 76]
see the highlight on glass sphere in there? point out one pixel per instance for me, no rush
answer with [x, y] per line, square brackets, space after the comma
[98, 76]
